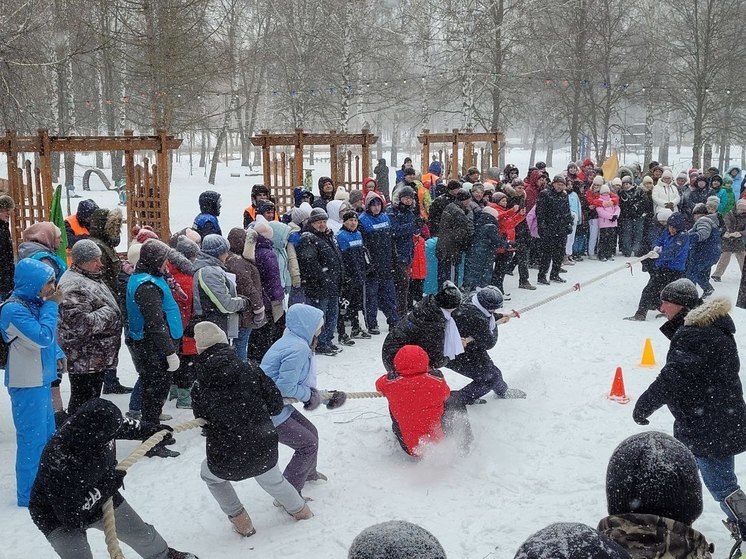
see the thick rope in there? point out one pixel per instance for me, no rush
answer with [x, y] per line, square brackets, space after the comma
[326, 395]
[110, 531]
[576, 287]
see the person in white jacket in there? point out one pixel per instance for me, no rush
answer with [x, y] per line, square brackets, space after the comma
[665, 193]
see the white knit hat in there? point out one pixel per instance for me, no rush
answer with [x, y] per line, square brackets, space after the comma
[207, 334]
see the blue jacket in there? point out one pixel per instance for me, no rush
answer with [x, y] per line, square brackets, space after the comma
[353, 254]
[379, 240]
[32, 327]
[37, 251]
[737, 181]
[206, 224]
[134, 313]
[403, 227]
[674, 251]
[704, 239]
[289, 361]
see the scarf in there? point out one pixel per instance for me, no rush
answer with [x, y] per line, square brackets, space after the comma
[475, 302]
[452, 345]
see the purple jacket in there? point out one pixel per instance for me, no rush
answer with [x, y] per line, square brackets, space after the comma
[269, 271]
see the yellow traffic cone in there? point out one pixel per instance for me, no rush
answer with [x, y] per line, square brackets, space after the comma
[648, 358]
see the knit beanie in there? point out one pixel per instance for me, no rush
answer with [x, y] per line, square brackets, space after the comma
[667, 174]
[559, 178]
[489, 210]
[153, 253]
[317, 214]
[186, 246]
[682, 175]
[616, 181]
[133, 253]
[490, 297]
[647, 179]
[142, 234]
[341, 194]
[85, 250]
[570, 540]
[406, 191]
[463, 195]
[604, 189]
[6, 202]
[356, 196]
[663, 214]
[349, 214]
[699, 209]
[598, 180]
[712, 203]
[653, 473]
[497, 196]
[207, 334]
[681, 292]
[395, 539]
[449, 296]
[467, 186]
[301, 213]
[215, 245]
[265, 206]
[627, 178]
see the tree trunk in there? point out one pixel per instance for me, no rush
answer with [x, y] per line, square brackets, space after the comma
[394, 142]
[550, 153]
[707, 156]
[648, 141]
[203, 149]
[216, 155]
[534, 142]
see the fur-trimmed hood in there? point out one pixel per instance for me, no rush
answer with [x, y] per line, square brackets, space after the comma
[708, 312]
[107, 225]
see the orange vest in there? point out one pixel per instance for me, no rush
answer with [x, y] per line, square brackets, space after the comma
[251, 210]
[77, 230]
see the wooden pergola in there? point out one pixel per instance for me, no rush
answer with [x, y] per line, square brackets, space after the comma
[459, 139]
[31, 186]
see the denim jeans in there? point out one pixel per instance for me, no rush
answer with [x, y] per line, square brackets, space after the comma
[720, 478]
[699, 275]
[330, 307]
[136, 396]
[241, 344]
[630, 235]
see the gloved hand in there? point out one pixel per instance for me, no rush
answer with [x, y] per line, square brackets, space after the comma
[614, 217]
[727, 235]
[173, 362]
[736, 234]
[314, 401]
[658, 249]
[258, 320]
[653, 255]
[337, 399]
[110, 483]
[639, 418]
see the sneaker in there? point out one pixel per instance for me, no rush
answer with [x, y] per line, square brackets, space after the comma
[345, 340]
[361, 334]
[568, 261]
[242, 524]
[328, 351]
[527, 285]
[511, 394]
[374, 331]
[117, 389]
[636, 318]
[161, 451]
[173, 554]
[715, 278]
[542, 281]
[577, 258]
[562, 271]
[707, 293]
[557, 279]
[335, 348]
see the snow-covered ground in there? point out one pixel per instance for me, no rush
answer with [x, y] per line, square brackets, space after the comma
[536, 461]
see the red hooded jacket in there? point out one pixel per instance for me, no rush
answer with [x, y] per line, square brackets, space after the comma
[532, 189]
[185, 281]
[366, 180]
[415, 397]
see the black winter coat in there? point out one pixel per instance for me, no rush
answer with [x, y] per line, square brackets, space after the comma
[631, 203]
[473, 323]
[237, 400]
[700, 384]
[76, 471]
[7, 261]
[553, 214]
[436, 212]
[320, 262]
[456, 231]
[424, 326]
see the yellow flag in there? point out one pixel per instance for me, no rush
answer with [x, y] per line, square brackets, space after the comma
[610, 167]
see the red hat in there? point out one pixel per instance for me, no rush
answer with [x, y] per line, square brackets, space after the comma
[411, 360]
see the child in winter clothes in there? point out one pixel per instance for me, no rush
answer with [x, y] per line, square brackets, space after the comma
[607, 222]
[237, 399]
[418, 269]
[350, 242]
[733, 239]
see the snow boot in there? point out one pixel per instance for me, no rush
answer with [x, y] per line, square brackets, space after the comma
[361, 334]
[173, 554]
[716, 278]
[511, 394]
[527, 285]
[116, 389]
[374, 331]
[242, 524]
[161, 451]
[303, 514]
[542, 280]
[557, 279]
[345, 340]
[183, 399]
[328, 351]
[636, 317]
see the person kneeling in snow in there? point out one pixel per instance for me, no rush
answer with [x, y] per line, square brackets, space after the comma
[236, 399]
[77, 476]
[477, 322]
[419, 403]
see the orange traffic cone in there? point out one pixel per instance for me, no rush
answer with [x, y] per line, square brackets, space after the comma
[648, 358]
[618, 393]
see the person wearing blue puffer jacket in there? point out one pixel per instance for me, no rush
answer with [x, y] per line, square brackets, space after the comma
[704, 241]
[669, 257]
[28, 323]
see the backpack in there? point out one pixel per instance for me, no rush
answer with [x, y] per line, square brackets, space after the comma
[5, 346]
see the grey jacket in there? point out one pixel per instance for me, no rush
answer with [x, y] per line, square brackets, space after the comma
[215, 297]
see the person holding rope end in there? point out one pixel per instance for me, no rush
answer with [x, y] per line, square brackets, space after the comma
[237, 399]
[291, 364]
[78, 474]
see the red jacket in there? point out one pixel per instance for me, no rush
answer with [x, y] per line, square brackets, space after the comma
[594, 199]
[415, 397]
[508, 219]
[419, 262]
[188, 345]
[532, 189]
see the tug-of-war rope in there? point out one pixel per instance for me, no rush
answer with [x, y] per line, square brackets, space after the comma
[110, 532]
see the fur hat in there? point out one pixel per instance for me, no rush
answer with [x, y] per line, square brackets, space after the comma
[186, 246]
[449, 296]
[356, 196]
[653, 473]
[570, 540]
[6, 202]
[85, 250]
[396, 539]
[317, 214]
[215, 245]
[681, 292]
[207, 334]
[341, 194]
[301, 213]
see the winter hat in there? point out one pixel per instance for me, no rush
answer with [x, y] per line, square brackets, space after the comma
[449, 296]
[42, 232]
[140, 234]
[317, 214]
[85, 250]
[453, 185]
[653, 473]
[681, 292]
[153, 254]
[493, 173]
[207, 334]
[682, 175]
[6, 202]
[341, 194]
[263, 228]
[604, 189]
[406, 191]
[699, 209]
[301, 213]
[693, 172]
[93, 425]
[187, 247]
[559, 178]
[677, 221]
[570, 540]
[215, 245]
[616, 181]
[462, 195]
[395, 539]
[663, 214]
[598, 180]
[466, 185]
[372, 197]
[588, 163]
[490, 297]
[627, 179]
[667, 174]
[349, 214]
[356, 196]
[741, 205]
[497, 196]
[492, 212]
[259, 189]
[411, 360]
[133, 253]
[647, 179]
[265, 206]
